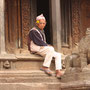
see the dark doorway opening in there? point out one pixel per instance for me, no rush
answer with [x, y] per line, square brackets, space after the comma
[43, 8]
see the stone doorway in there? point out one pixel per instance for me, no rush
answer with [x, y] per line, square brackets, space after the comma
[19, 19]
[43, 6]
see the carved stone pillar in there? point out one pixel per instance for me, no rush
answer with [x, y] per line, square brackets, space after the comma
[56, 24]
[25, 21]
[2, 29]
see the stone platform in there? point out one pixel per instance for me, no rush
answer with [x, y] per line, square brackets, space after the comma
[28, 80]
[36, 79]
[83, 76]
[22, 62]
[76, 80]
[22, 72]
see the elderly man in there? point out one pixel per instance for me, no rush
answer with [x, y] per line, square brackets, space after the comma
[37, 44]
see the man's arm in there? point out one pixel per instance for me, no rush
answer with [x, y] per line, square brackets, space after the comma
[36, 38]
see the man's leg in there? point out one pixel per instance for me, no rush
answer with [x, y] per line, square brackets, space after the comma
[58, 65]
[57, 57]
[48, 52]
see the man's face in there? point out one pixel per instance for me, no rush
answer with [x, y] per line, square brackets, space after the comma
[41, 24]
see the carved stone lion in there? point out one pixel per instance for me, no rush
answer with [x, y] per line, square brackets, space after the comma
[80, 60]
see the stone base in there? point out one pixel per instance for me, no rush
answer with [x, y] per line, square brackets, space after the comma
[76, 85]
[32, 76]
[22, 62]
[21, 72]
[28, 80]
[32, 80]
[76, 81]
[76, 77]
[30, 86]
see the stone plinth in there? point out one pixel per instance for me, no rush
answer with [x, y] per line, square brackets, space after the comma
[36, 79]
[76, 80]
[76, 77]
[28, 80]
[22, 62]
[76, 85]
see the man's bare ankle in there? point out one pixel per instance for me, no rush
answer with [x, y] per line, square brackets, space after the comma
[44, 67]
[58, 71]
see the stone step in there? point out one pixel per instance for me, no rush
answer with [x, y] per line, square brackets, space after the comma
[22, 62]
[26, 77]
[30, 86]
[24, 56]
[28, 80]
[23, 73]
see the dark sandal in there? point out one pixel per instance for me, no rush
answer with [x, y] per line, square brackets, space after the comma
[47, 71]
[58, 76]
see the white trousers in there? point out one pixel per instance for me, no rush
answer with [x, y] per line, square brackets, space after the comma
[48, 52]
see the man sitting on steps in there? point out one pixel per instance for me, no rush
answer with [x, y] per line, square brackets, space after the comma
[37, 44]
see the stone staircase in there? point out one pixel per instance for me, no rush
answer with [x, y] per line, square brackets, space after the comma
[28, 80]
[35, 76]
[22, 72]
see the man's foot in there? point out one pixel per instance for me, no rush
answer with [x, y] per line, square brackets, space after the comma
[58, 74]
[46, 70]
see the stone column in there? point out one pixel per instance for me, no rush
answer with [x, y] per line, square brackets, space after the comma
[2, 27]
[56, 24]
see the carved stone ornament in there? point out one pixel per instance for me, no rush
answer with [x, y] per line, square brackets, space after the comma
[81, 59]
[75, 21]
[78, 64]
[6, 64]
